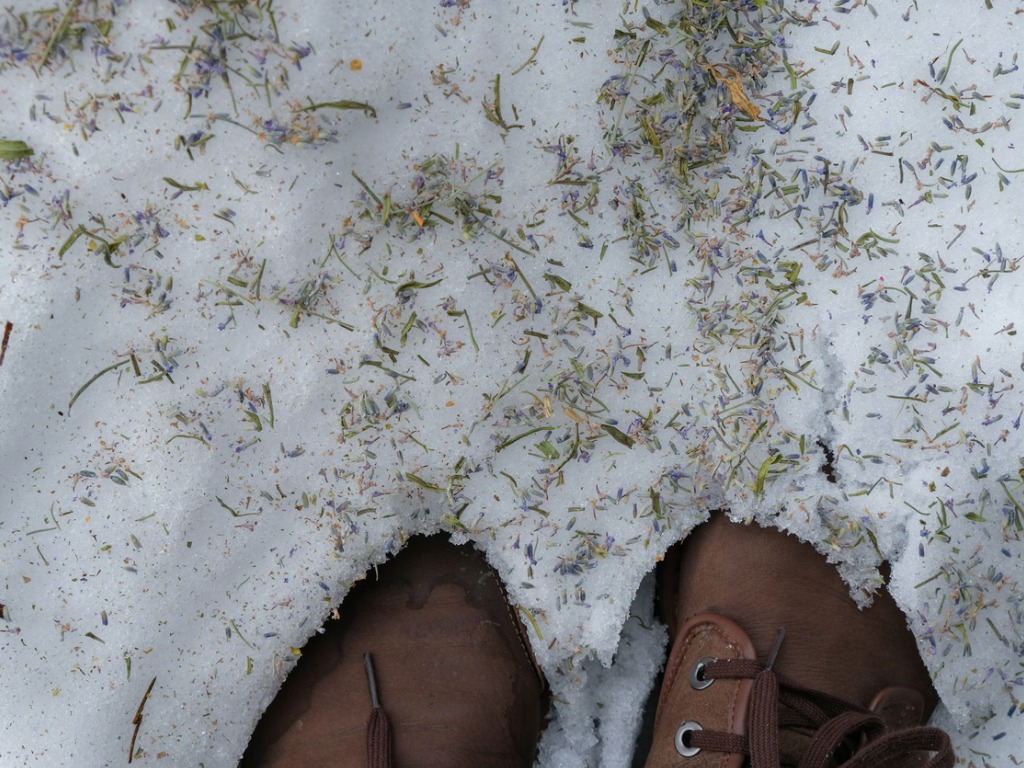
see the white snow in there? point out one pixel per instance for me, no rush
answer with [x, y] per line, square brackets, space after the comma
[300, 372]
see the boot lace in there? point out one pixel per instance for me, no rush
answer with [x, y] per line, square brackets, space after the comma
[378, 727]
[823, 731]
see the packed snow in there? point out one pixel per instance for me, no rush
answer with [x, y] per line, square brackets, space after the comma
[283, 286]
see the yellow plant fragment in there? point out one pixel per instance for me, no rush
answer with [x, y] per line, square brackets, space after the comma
[731, 79]
[574, 416]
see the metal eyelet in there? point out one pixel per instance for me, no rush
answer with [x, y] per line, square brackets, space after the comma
[698, 677]
[683, 745]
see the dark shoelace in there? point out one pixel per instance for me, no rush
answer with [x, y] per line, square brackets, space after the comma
[378, 729]
[827, 726]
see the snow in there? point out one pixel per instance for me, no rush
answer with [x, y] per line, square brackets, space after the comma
[444, 301]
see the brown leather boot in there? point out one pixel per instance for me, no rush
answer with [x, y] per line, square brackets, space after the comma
[453, 674]
[773, 664]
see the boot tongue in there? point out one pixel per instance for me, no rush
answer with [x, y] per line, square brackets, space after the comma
[899, 707]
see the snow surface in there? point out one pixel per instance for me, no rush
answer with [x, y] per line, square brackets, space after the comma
[301, 365]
